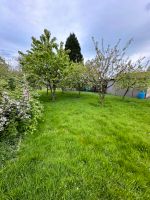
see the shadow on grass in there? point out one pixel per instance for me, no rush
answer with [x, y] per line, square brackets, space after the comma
[92, 99]
[95, 104]
[59, 96]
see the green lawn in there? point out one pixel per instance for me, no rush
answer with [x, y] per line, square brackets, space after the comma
[83, 151]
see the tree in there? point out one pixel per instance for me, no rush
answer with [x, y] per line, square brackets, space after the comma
[46, 59]
[75, 76]
[73, 45]
[132, 80]
[109, 64]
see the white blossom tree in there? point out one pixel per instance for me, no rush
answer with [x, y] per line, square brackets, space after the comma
[109, 64]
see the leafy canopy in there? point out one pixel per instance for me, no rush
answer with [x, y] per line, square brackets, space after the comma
[46, 60]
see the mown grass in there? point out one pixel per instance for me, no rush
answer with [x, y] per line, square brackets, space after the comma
[83, 151]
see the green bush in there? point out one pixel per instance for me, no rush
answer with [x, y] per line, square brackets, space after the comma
[18, 116]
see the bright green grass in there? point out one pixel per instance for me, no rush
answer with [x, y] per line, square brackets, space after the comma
[83, 151]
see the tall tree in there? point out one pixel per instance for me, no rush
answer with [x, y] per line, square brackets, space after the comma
[46, 59]
[73, 45]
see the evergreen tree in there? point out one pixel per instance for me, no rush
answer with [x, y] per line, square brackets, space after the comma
[73, 45]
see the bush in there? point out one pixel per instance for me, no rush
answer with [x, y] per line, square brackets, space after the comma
[18, 116]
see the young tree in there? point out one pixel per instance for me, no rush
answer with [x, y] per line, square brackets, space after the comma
[108, 65]
[75, 76]
[46, 59]
[134, 80]
[73, 45]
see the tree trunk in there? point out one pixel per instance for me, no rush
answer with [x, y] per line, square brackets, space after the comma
[47, 89]
[132, 92]
[102, 92]
[50, 91]
[79, 93]
[125, 93]
[101, 98]
[53, 96]
[54, 93]
[79, 90]
[62, 89]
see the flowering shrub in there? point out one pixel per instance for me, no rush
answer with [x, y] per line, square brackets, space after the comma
[18, 116]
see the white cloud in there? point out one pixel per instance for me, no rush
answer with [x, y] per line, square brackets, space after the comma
[110, 19]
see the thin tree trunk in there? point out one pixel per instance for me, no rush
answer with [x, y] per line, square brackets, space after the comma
[51, 92]
[132, 92]
[47, 89]
[62, 89]
[101, 98]
[125, 93]
[54, 93]
[53, 96]
[103, 89]
[79, 92]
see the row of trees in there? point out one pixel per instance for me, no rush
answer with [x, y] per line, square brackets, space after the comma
[112, 64]
[54, 65]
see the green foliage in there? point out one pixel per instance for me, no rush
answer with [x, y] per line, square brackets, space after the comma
[46, 60]
[39, 59]
[138, 80]
[73, 45]
[11, 83]
[18, 116]
[34, 81]
[75, 76]
[10, 80]
[36, 112]
[4, 74]
[83, 151]
[4, 68]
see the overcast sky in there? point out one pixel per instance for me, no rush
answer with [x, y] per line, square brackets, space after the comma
[108, 19]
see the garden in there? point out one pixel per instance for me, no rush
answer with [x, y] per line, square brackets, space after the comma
[60, 141]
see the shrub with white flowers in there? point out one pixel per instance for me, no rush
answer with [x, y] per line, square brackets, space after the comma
[18, 116]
